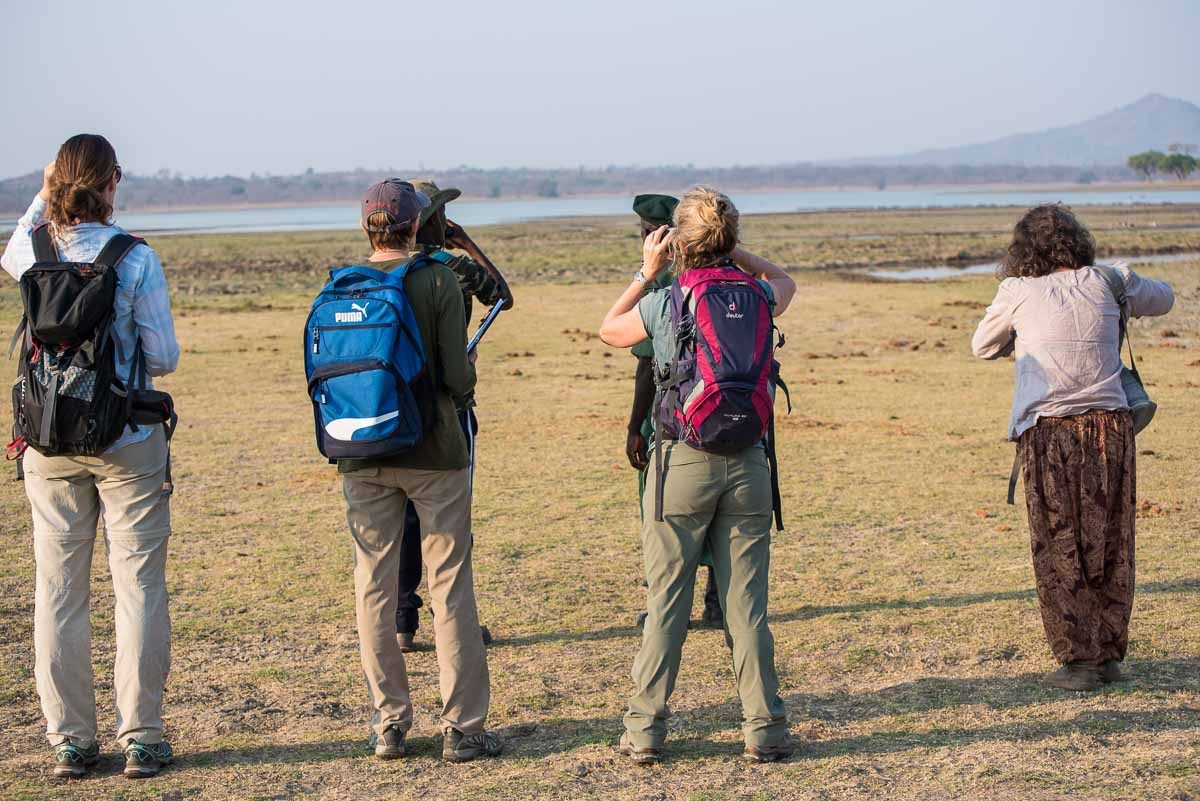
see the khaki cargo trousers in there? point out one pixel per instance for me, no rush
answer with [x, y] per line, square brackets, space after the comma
[375, 499]
[723, 502]
[67, 495]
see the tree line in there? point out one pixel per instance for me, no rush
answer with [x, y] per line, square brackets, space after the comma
[165, 189]
[1179, 160]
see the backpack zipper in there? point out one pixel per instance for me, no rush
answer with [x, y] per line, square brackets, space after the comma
[316, 337]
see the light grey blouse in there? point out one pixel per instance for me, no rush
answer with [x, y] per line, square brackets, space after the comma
[1065, 329]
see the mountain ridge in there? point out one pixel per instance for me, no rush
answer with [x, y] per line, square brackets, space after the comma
[1152, 122]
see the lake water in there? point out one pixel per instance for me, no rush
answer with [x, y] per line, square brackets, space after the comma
[486, 212]
[939, 273]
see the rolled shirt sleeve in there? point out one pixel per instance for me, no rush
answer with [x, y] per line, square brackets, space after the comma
[995, 337]
[1145, 296]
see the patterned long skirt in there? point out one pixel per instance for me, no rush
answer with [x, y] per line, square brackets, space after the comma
[1080, 492]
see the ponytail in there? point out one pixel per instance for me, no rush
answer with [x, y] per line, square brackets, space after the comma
[83, 169]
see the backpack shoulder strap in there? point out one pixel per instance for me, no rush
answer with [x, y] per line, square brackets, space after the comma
[399, 272]
[43, 244]
[442, 257]
[115, 251]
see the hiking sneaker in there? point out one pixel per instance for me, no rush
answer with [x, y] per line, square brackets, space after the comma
[641, 755]
[770, 753]
[390, 744]
[72, 761]
[1111, 672]
[407, 641]
[459, 747]
[486, 633]
[1075, 676]
[143, 760]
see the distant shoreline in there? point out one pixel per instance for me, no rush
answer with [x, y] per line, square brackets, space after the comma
[341, 216]
[993, 188]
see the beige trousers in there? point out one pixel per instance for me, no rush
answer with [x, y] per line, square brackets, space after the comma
[67, 495]
[375, 500]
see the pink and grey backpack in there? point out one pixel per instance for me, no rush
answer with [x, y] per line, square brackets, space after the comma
[717, 394]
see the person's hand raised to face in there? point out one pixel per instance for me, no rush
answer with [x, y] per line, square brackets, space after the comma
[656, 251]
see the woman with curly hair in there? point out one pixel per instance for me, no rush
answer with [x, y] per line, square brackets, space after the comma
[1074, 433]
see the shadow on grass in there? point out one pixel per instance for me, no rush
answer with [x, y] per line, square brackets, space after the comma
[810, 612]
[288, 753]
[1096, 723]
[537, 739]
[966, 599]
[534, 740]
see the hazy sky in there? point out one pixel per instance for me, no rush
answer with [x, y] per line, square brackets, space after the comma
[215, 87]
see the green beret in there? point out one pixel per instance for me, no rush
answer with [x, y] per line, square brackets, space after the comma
[655, 209]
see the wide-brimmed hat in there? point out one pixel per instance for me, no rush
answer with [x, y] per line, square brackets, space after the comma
[438, 198]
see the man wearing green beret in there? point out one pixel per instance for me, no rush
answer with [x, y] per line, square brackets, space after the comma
[479, 280]
[654, 211]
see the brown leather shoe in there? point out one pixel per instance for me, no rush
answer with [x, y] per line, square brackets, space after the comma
[1111, 672]
[641, 755]
[1075, 676]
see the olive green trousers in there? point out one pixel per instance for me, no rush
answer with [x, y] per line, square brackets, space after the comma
[723, 502]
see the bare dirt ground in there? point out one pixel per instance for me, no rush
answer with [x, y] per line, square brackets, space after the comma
[908, 637]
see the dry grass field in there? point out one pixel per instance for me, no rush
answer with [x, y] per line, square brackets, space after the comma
[908, 638]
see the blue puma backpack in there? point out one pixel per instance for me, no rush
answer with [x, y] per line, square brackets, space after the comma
[372, 392]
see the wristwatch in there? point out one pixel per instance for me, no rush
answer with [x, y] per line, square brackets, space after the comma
[640, 277]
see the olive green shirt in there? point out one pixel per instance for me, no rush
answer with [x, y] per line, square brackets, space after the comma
[437, 304]
[473, 278]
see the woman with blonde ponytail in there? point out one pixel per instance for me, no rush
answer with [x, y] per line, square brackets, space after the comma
[709, 494]
[126, 483]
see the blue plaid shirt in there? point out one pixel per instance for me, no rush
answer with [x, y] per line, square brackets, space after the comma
[143, 306]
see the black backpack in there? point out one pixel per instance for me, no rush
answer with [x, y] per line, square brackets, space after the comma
[68, 398]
